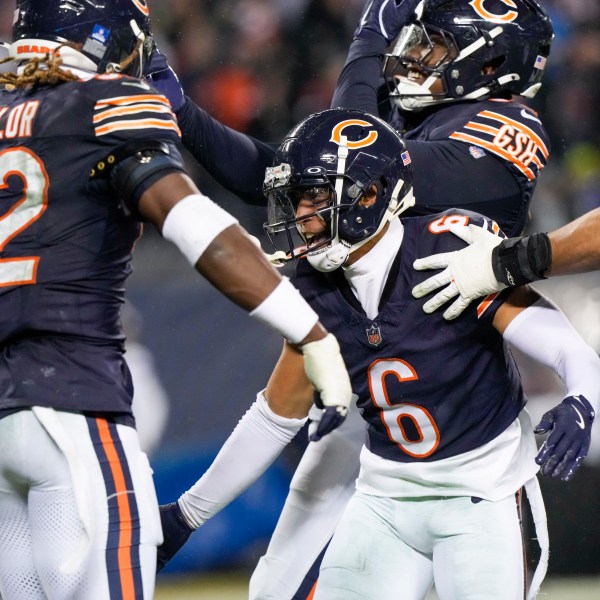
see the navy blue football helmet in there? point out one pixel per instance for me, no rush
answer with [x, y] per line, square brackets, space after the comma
[336, 158]
[105, 33]
[477, 48]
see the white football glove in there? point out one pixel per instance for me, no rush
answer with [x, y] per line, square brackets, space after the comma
[325, 368]
[467, 273]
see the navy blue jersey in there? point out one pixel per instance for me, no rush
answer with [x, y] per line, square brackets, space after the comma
[482, 156]
[428, 388]
[65, 242]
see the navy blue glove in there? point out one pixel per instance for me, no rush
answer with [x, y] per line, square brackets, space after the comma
[331, 418]
[386, 18]
[159, 73]
[570, 427]
[175, 532]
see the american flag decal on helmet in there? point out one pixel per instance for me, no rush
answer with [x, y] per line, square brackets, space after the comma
[405, 156]
[540, 62]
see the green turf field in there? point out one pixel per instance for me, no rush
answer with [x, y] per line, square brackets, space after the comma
[233, 586]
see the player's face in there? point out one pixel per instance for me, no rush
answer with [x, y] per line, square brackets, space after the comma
[311, 223]
[423, 55]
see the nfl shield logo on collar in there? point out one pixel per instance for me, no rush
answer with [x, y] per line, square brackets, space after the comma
[374, 335]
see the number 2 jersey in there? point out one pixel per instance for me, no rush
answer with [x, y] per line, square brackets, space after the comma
[442, 400]
[66, 241]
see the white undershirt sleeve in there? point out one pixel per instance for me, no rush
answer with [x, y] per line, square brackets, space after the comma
[254, 444]
[544, 333]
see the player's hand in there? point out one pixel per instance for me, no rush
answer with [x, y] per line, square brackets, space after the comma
[467, 274]
[176, 532]
[325, 368]
[160, 74]
[386, 18]
[570, 427]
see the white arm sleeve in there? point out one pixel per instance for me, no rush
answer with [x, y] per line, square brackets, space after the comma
[254, 444]
[544, 333]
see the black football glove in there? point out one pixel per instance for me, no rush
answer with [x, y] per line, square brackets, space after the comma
[175, 533]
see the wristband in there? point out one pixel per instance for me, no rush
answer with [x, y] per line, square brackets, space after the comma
[286, 311]
[517, 261]
[193, 223]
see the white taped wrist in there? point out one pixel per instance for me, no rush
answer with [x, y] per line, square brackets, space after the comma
[286, 311]
[193, 223]
[254, 444]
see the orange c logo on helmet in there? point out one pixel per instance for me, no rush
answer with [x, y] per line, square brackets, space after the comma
[336, 134]
[142, 5]
[507, 17]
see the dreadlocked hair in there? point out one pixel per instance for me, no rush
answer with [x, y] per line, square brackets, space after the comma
[33, 74]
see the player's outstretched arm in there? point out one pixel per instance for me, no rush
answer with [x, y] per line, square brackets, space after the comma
[261, 434]
[488, 264]
[576, 246]
[236, 160]
[380, 23]
[224, 253]
[539, 329]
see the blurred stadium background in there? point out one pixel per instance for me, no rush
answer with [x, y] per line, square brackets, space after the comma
[260, 66]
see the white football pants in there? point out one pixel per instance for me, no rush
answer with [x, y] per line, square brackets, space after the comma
[78, 512]
[321, 487]
[394, 549]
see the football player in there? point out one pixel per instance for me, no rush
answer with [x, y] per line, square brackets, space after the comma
[449, 441]
[450, 76]
[448, 82]
[88, 152]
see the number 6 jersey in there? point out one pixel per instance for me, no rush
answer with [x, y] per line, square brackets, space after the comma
[442, 399]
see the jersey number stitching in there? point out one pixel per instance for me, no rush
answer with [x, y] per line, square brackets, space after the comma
[22, 163]
[393, 415]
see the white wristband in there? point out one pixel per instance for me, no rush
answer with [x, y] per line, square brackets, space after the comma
[193, 223]
[286, 311]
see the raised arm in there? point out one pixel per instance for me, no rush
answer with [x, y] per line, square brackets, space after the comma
[360, 79]
[235, 160]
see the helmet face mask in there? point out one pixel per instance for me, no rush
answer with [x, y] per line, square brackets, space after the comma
[339, 178]
[415, 67]
[490, 48]
[101, 36]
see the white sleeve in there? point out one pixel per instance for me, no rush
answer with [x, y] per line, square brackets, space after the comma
[254, 444]
[544, 333]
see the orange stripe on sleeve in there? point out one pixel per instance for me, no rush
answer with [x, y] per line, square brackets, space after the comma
[481, 308]
[496, 150]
